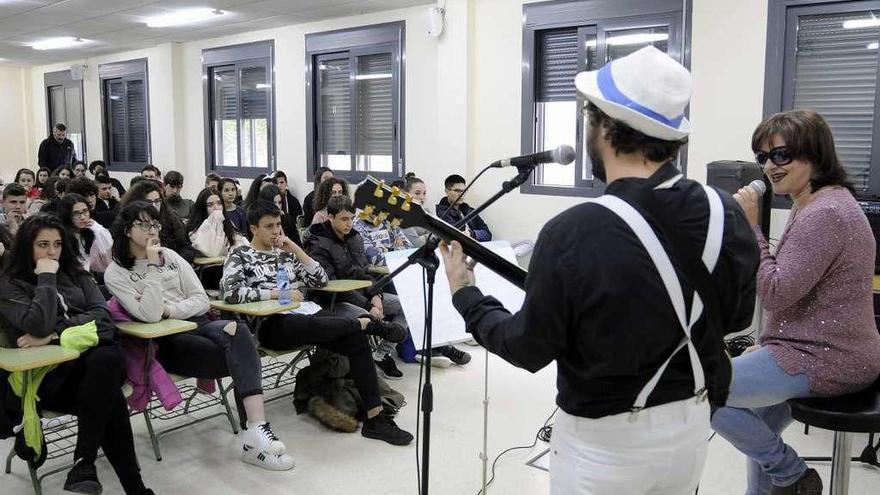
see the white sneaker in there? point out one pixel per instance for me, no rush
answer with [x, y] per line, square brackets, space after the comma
[266, 461]
[261, 438]
[437, 361]
[472, 343]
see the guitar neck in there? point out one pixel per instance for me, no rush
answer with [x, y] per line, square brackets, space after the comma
[507, 270]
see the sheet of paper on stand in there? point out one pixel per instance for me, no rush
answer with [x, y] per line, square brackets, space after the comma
[448, 324]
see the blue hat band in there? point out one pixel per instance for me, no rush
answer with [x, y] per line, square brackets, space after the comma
[612, 93]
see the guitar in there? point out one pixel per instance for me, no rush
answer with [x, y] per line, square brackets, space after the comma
[378, 203]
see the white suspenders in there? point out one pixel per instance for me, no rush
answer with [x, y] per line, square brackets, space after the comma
[661, 261]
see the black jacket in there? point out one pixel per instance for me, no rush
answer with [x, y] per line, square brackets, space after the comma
[308, 208]
[341, 259]
[454, 215]
[596, 305]
[290, 205]
[53, 154]
[104, 213]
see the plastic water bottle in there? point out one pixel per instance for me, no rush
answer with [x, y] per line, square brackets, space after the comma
[283, 285]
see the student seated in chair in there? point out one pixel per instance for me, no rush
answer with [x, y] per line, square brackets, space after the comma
[173, 235]
[452, 209]
[340, 250]
[94, 243]
[211, 232]
[153, 282]
[250, 274]
[44, 292]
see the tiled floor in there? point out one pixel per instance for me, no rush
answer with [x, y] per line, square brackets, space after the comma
[204, 458]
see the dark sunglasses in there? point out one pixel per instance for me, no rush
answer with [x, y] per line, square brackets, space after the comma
[780, 156]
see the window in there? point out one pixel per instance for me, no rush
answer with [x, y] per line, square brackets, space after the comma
[64, 105]
[239, 116]
[125, 96]
[355, 103]
[561, 39]
[824, 58]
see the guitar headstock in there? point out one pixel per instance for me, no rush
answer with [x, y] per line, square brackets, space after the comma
[379, 202]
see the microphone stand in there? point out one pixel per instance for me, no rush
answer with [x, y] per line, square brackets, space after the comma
[426, 257]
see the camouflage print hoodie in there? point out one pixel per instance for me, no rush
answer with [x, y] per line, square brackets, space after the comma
[250, 275]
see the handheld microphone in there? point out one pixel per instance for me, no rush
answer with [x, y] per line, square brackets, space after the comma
[562, 155]
[758, 186]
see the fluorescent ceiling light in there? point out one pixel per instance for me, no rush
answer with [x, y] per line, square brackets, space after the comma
[873, 46]
[263, 86]
[362, 77]
[59, 43]
[183, 17]
[861, 23]
[631, 39]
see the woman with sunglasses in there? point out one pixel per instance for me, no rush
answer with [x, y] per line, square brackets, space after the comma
[173, 234]
[43, 293]
[152, 282]
[94, 243]
[819, 337]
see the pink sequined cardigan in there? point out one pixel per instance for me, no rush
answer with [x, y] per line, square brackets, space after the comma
[816, 293]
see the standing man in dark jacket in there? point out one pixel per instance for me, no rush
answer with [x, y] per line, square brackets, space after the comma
[339, 248]
[56, 150]
[452, 210]
[630, 294]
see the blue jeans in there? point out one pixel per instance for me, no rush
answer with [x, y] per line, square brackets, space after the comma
[755, 416]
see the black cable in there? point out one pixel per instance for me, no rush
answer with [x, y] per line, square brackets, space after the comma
[542, 433]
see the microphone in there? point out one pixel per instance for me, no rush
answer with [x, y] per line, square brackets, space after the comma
[563, 155]
[758, 186]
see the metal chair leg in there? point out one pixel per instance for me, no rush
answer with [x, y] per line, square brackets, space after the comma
[153, 438]
[35, 480]
[840, 463]
[9, 460]
[225, 402]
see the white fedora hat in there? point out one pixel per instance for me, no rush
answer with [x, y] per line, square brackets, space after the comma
[647, 90]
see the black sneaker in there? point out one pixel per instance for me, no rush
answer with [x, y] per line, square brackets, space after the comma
[381, 427]
[389, 368]
[458, 357]
[392, 332]
[83, 478]
[808, 484]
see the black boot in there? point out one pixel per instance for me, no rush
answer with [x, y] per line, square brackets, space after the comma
[808, 484]
[83, 478]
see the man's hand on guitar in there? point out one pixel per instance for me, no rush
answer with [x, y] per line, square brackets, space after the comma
[459, 268]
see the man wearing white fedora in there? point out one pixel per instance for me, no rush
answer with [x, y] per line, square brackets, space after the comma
[630, 293]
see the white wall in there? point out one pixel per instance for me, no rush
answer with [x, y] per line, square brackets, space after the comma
[14, 112]
[463, 94]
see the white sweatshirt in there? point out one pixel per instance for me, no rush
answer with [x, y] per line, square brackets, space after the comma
[210, 240]
[146, 295]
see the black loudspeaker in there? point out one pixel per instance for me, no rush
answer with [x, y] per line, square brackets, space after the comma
[731, 175]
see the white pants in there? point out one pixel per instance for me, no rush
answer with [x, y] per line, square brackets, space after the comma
[661, 453]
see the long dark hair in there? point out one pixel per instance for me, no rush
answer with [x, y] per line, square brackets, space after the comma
[268, 193]
[20, 260]
[65, 213]
[25, 171]
[325, 190]
[48, 175]
[254, 190]
[223, 181]
[63, 167]
[199, 214]
[807, 137]
[127, 215]
[173, 231]
[319, 172]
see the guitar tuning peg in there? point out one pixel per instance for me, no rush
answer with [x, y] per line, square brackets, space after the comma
[376, 221]
[395, 191]
[407, 202]
[381, 217]
[379, 193]
[396, 222]
[363, 215]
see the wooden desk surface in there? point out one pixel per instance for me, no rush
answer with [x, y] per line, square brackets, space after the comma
[259, 308]
[876, 283]
[162, 328]
[343, 285]
[379, 270]
[208, 261]
[34, 357]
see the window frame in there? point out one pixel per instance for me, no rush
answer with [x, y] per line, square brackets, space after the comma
[601, 16]
[240, 56]
[782, 23]
[352, 43]
[65, 79]
[130, 70]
